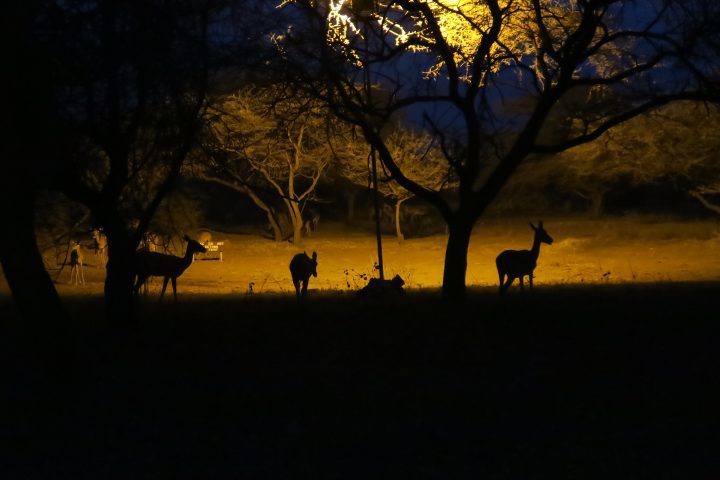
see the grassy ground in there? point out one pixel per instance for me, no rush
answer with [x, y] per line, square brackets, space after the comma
[575, 380]
[619, 250]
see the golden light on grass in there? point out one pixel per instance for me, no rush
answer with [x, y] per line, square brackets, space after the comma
[585, 251]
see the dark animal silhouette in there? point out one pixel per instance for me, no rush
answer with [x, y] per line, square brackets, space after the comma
[301, 268]
[518, 263]
[77, 276]
[311, 223]
[170, 267]
[154, 242]
[100, 244]
[382, 288]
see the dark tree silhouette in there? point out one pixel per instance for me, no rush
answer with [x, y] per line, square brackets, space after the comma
[455, 65]
[118, 91]
[27, 146]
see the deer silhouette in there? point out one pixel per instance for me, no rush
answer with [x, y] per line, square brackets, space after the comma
[77, 276]
[154, 264]
[301, 268]
[518, 263]
[311, 223]
[101, 245]
[154, 242]
[383, 288]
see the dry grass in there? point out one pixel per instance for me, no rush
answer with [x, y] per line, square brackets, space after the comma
[577, 380]
[619, 250]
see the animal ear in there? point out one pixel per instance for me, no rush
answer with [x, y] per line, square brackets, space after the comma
[186, 238]
[533, 226]
[540, 224]
[314, 257]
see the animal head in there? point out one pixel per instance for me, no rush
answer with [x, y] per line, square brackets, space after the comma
[194, 246]
[541, 234]
[313, 264]
[397, 281]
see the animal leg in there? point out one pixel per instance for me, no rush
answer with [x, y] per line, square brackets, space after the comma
[530, 280]
[297, 287]
[165, 282]
[304, 287]
[504, 287]
[502, 279]
[139, 283]
[522, 284]
[174, 285]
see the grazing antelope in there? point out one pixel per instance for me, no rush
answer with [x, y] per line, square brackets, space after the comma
[77, 276]
[301, 267]
[381, 288]
[311, 223]
[518, 263]
[154, 242]
[101, 244]
[170, 267]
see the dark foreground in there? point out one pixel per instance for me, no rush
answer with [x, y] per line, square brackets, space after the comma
[594, 382]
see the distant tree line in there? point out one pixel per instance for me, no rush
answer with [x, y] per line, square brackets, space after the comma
[675, 148]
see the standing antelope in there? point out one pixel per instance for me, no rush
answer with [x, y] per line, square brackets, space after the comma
[154, 242]
[311, 223]
[301, 267]
[100, 245]
[518, 263]
[77, 276]
[170, 267]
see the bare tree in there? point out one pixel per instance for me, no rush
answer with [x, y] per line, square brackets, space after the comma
[117, 91]
[264, 141]
[455, 64]
[133, 113]
[28, 141]
[415, 153]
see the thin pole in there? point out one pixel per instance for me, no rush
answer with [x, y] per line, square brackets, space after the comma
[376, 196]
[373, 161]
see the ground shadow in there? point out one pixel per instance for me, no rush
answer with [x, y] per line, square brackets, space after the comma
[609, 381]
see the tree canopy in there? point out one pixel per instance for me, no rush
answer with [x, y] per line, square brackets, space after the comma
[455, 65]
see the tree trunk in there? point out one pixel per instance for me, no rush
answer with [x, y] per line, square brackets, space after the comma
[696, 194]
[596, 203]
[398, 230]
[459, 228]
[275, 225]
[297, 221]
[46, 329]
[119, 308]
[351, 196]
[32, 288]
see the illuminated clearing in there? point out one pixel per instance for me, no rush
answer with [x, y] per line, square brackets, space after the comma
[584, 251]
